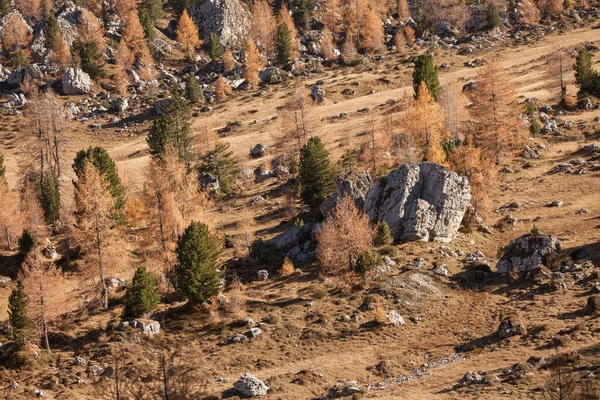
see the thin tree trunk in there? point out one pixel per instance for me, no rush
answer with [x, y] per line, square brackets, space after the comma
[8, 242]
[164, 371]
[44, 321]
[160, 222]
[100, 264]
[117, 378]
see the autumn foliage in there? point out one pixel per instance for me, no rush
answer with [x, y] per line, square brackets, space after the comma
[187, 33]
[344, 236]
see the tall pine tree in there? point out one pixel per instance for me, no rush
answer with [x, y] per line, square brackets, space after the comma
[426, 71]
[173, 128]
[316, 178]
[197, 263]
[50, 197]
[17, 312]
[193, 90]
[284, 45]
[51, 31]
[215, 48]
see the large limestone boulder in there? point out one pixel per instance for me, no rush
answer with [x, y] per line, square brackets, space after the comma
[422, 201]
[228, 19]
[527, 252]
[76, 82]
[250, 386]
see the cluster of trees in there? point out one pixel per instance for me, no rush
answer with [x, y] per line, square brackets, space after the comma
[186, 252]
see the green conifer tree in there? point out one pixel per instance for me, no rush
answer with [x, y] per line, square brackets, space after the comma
[316, 179]
[493, 16]
[4, 7]
[173, 128]
[215, 48]
[284, 45]
[108, 169]
[142, 295]
[180, 5]
[17, 312]
[27, 242]
[585, 75]
[221, 163]
[19, 60]
[51, 31]
[197, 263]
[384, 236]
[426, 71]
[193, 90]
[50, 197]
[90, 57]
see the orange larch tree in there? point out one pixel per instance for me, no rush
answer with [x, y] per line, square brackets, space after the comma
[424, 126]
[264, 27]
[495, 110]
[252, 63]
[44, 285]
[187, 33]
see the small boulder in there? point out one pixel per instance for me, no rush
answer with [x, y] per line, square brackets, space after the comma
[511, 326]
[250, 386]
[527, 252]
[260, 150]
[147, 326]
[76, 82]
[120, 104]
[317, 92]
[262, 275]
[394, 318]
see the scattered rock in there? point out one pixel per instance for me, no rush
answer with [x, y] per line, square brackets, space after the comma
[471, 378]
[440, 270]
[511, 326]
[147, 326]
[260, 150]
[250, 386]
[531, 153]
[256, 200]
[262, 275]
[555, 203]
[344, 389]
[395, 318]
[527, 252]
[317, 92]
[120, 104]
[253, 333]
[50, 252]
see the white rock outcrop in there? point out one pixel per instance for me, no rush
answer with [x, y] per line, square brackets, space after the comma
[422, 201]
[76, 82]
[228, 19]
